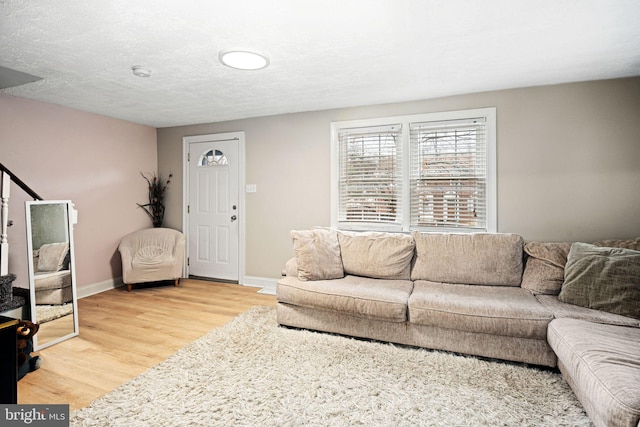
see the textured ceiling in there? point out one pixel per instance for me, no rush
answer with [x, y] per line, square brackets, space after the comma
[324, 53]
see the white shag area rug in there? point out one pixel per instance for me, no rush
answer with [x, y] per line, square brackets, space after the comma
[251, 372]
[47, 313]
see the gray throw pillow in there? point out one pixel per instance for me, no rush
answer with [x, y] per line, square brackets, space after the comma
[603, 278]
[317, 254]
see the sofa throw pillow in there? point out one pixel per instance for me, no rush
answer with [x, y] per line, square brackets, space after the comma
[603, 278]
[51, 256]
[376, 254]
[544, 269]
[317, 254]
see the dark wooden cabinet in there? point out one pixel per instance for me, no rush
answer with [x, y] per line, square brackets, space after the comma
[8, 361]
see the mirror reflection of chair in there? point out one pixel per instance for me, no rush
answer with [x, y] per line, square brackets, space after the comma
[152, 255]
[51, 270]
[52, 277]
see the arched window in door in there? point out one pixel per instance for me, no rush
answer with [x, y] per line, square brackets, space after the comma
[213, 158]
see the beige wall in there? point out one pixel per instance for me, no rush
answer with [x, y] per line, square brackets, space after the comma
[568, 165]
[93, 160]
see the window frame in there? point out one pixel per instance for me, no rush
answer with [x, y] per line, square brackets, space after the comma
[489, 114]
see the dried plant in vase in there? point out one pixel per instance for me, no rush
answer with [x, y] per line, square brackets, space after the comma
[155, 207]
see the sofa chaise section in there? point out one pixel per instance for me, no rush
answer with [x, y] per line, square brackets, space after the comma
[593, 291]
[601, 363]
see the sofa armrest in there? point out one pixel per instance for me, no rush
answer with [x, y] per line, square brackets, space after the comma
[291, 268]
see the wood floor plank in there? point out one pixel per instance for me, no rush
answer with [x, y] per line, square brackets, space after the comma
[124, 333]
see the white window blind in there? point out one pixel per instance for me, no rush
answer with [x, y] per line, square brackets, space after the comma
[432, 171]
[370, 176]
[449, 174]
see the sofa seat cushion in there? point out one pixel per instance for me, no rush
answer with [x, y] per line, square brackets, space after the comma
[601, 363]
[496, 310]
[354, 295]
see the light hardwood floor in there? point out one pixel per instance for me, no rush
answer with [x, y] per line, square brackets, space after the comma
[124, 333]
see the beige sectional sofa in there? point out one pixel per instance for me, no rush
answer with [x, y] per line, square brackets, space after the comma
[490, 295]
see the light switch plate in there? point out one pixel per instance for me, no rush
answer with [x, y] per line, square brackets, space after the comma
[251, 188]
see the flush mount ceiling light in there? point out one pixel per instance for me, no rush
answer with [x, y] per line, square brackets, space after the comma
[140, 71]
[243, 60]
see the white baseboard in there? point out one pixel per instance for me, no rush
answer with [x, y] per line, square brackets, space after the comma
[96, 288]
[267, 284]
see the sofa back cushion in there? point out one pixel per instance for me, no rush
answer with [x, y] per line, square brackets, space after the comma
[317, 254]
[377, 255]
[544, 270]
[474, 259]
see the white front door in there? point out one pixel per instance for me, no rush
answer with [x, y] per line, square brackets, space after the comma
[213, 208]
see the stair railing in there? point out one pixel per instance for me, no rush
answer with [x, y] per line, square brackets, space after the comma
[6, 176]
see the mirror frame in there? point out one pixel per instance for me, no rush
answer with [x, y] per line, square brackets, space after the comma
[70, 220]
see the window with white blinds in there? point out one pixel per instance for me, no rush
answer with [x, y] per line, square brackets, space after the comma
[370, 175]
[421, 172]
[449, 174]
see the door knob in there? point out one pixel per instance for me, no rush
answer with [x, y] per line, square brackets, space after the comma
[233, 218]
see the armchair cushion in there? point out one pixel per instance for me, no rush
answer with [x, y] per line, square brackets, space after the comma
[51, 256]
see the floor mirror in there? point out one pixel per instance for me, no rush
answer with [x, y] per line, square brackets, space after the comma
[52, 279]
